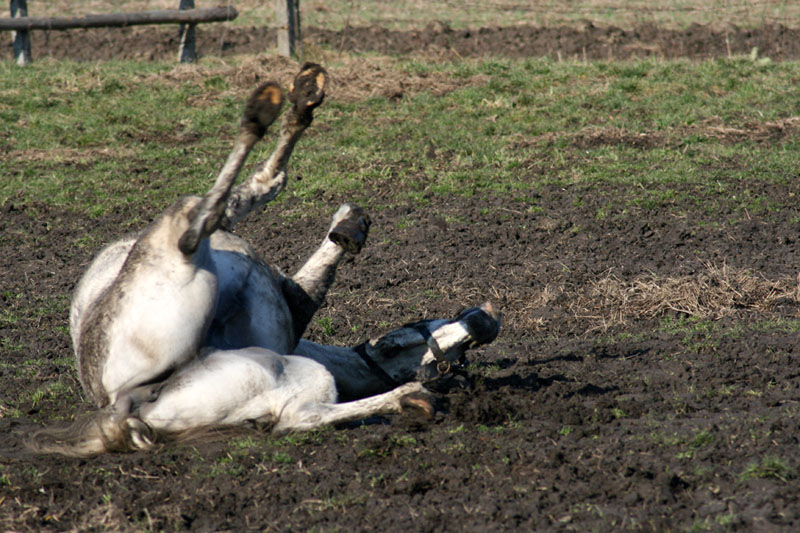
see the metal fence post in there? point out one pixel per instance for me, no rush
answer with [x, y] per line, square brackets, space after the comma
[287, 15]
[21, 39]
[186, 51]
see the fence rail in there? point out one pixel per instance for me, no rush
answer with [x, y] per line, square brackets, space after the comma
[168, 16]
[186, 15]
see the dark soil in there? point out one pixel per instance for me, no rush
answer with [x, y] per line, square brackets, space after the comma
[584, 42]
[560, 425]
[655, 423]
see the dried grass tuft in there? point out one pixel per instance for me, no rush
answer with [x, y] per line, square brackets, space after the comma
[716, 292]
[108, 517]
[353, 79]
[712, 128]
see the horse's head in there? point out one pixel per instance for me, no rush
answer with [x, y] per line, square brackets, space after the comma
[428, 349]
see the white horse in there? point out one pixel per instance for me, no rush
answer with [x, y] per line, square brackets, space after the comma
[185, 328]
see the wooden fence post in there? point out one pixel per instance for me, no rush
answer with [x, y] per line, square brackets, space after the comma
[21, 39]
[287, 15]
[186, 51]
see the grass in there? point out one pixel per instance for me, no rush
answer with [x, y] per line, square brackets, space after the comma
[768, 467]
[127, 134]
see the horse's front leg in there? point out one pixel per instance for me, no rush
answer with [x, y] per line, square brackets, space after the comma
[305, 291]
[299, 416]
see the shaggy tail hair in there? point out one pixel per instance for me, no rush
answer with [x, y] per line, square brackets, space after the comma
[106, 430]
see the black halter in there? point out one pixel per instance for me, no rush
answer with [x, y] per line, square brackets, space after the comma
[443, 366]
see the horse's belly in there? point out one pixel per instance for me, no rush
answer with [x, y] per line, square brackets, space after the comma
[251, 310]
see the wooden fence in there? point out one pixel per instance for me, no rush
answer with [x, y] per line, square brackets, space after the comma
[186, 15]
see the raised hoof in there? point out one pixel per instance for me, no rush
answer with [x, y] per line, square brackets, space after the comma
[308, 88]
[419, 403]
[262, 108]
[350, 228]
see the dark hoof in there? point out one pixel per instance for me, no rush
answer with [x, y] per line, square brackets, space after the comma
[418, 403]
[308, 88]
[262, 108]
[351, 231]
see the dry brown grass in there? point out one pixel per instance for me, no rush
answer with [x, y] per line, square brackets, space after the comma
[714, 128]
[712, 293]
[68, 155]
[716, 292]
[352, 79]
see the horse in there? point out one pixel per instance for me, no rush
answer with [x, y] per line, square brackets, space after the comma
[185, 328]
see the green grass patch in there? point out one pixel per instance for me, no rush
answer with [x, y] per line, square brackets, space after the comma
[99, 137]
[768, 467]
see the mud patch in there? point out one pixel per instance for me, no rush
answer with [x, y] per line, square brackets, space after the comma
[584, 42]
[669, 418]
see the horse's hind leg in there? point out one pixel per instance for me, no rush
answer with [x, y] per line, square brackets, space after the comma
[305, 93]
[305, 291]
[307, 416]
[207, 216]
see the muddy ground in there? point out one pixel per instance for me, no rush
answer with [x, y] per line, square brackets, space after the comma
[602, 405]
[586, 42]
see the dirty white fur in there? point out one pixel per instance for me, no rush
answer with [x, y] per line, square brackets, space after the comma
[294, 392]
[228, 387]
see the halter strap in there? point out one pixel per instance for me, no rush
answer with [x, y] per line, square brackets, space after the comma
[361, 350]
[442, 364]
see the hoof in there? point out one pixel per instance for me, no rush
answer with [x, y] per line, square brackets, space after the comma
[142, 436]
[308, 88]
[350, 228]
[262, 108]
[420, 403]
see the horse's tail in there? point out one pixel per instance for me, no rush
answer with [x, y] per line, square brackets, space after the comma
[97, 432]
